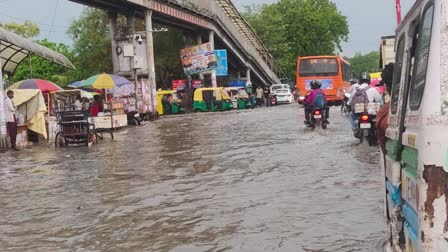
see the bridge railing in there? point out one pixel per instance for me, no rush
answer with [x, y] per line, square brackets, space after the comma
[213, 10]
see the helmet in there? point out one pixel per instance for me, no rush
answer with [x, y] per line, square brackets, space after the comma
[364, 78]
[315, 84]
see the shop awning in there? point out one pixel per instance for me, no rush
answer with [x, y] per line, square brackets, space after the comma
[14, 49]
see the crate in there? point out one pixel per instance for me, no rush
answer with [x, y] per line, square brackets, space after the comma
[367, 107]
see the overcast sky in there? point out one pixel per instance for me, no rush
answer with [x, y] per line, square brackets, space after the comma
[368, 19]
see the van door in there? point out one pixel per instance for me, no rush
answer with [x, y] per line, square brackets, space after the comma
[413, 135]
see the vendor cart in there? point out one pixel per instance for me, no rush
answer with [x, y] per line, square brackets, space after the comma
[74, 128]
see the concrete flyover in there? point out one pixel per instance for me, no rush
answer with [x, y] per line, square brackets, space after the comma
[218, 20]
[219, 16]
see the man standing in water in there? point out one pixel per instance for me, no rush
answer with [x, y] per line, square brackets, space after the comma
[11, 122]
[259, 96]
[267, 96]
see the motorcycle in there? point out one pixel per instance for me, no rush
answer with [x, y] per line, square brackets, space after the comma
[367, 128]
[134, 118]
[345, 108]
[317, 118]
[273, 100]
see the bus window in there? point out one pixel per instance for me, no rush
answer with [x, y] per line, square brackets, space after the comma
[397, 75]
[421, 60]
[318, 67]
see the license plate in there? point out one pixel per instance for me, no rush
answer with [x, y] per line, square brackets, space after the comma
[317, 116]
[137, 115]
[365, 126]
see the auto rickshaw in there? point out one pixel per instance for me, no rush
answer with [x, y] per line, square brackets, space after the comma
[239, 97]
[168, 102]
[211, 99]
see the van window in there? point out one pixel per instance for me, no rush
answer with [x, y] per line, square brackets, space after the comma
[398, 69]
[421, 60]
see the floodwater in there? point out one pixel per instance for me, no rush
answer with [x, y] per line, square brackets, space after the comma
[251, 180]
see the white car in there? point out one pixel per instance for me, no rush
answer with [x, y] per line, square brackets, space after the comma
[284, 96]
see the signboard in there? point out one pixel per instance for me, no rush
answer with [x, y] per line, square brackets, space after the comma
[410, 189]
[375, 80]
[326, 84]
[178, 84]
[198, 59]
[221, 58]
[181, 84]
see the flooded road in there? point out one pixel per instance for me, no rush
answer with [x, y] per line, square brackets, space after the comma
[252, 180]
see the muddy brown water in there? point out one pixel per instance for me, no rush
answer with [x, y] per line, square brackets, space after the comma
[251, 180]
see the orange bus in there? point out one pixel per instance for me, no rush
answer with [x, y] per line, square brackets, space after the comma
[332, 71]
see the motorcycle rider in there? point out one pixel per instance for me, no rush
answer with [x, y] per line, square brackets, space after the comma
[315, 99]
[373, 96]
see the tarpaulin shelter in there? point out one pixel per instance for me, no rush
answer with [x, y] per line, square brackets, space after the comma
[13, 50]
[30, 103]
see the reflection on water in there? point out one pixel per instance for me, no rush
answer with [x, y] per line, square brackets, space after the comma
[252, 180]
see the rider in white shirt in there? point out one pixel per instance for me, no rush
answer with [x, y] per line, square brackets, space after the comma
[372, 95]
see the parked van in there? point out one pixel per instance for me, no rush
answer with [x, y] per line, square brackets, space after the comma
[416, 164]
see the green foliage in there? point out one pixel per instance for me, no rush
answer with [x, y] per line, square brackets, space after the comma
[291, 28]
[27, 29]
[167, 46]
[91, 47]
[42, 68]
[365, 63]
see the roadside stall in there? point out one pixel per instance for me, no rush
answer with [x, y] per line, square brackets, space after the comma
[110, 113]
[30, 114]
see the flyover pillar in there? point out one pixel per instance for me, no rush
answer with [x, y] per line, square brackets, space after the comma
[150, 59]
[113, 33]
[211, 39]
[248, 75]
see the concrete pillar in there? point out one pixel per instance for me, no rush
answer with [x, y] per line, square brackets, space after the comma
[238, 75]
[211, 39]
[113, 32]
[199, 41]
[248, 75]
[150, 59]
[3, 140]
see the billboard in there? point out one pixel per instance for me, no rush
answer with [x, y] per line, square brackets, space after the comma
[326, 84]
[198, 59]
[221, 58]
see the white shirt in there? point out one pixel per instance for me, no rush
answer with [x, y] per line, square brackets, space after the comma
[78, 105]
[259, 93]
[372, 94]
[9, 109]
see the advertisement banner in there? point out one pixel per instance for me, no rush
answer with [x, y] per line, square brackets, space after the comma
[178, 84]
[198, 59]
[181, 84]
[326, 84]
[221, 58]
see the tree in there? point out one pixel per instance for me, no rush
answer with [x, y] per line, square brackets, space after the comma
[365, 63]
[27, 29]
[44, 69]
[92, 47]
[291, 28]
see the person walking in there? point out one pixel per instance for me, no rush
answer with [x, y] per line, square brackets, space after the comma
[11, 121]
[267, 96]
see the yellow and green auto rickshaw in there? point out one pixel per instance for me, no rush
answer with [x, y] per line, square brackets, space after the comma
[168, 102]
[239, 97]
[211, 99]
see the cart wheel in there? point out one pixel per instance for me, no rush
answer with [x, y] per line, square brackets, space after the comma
[59, 140]
[99, 135]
